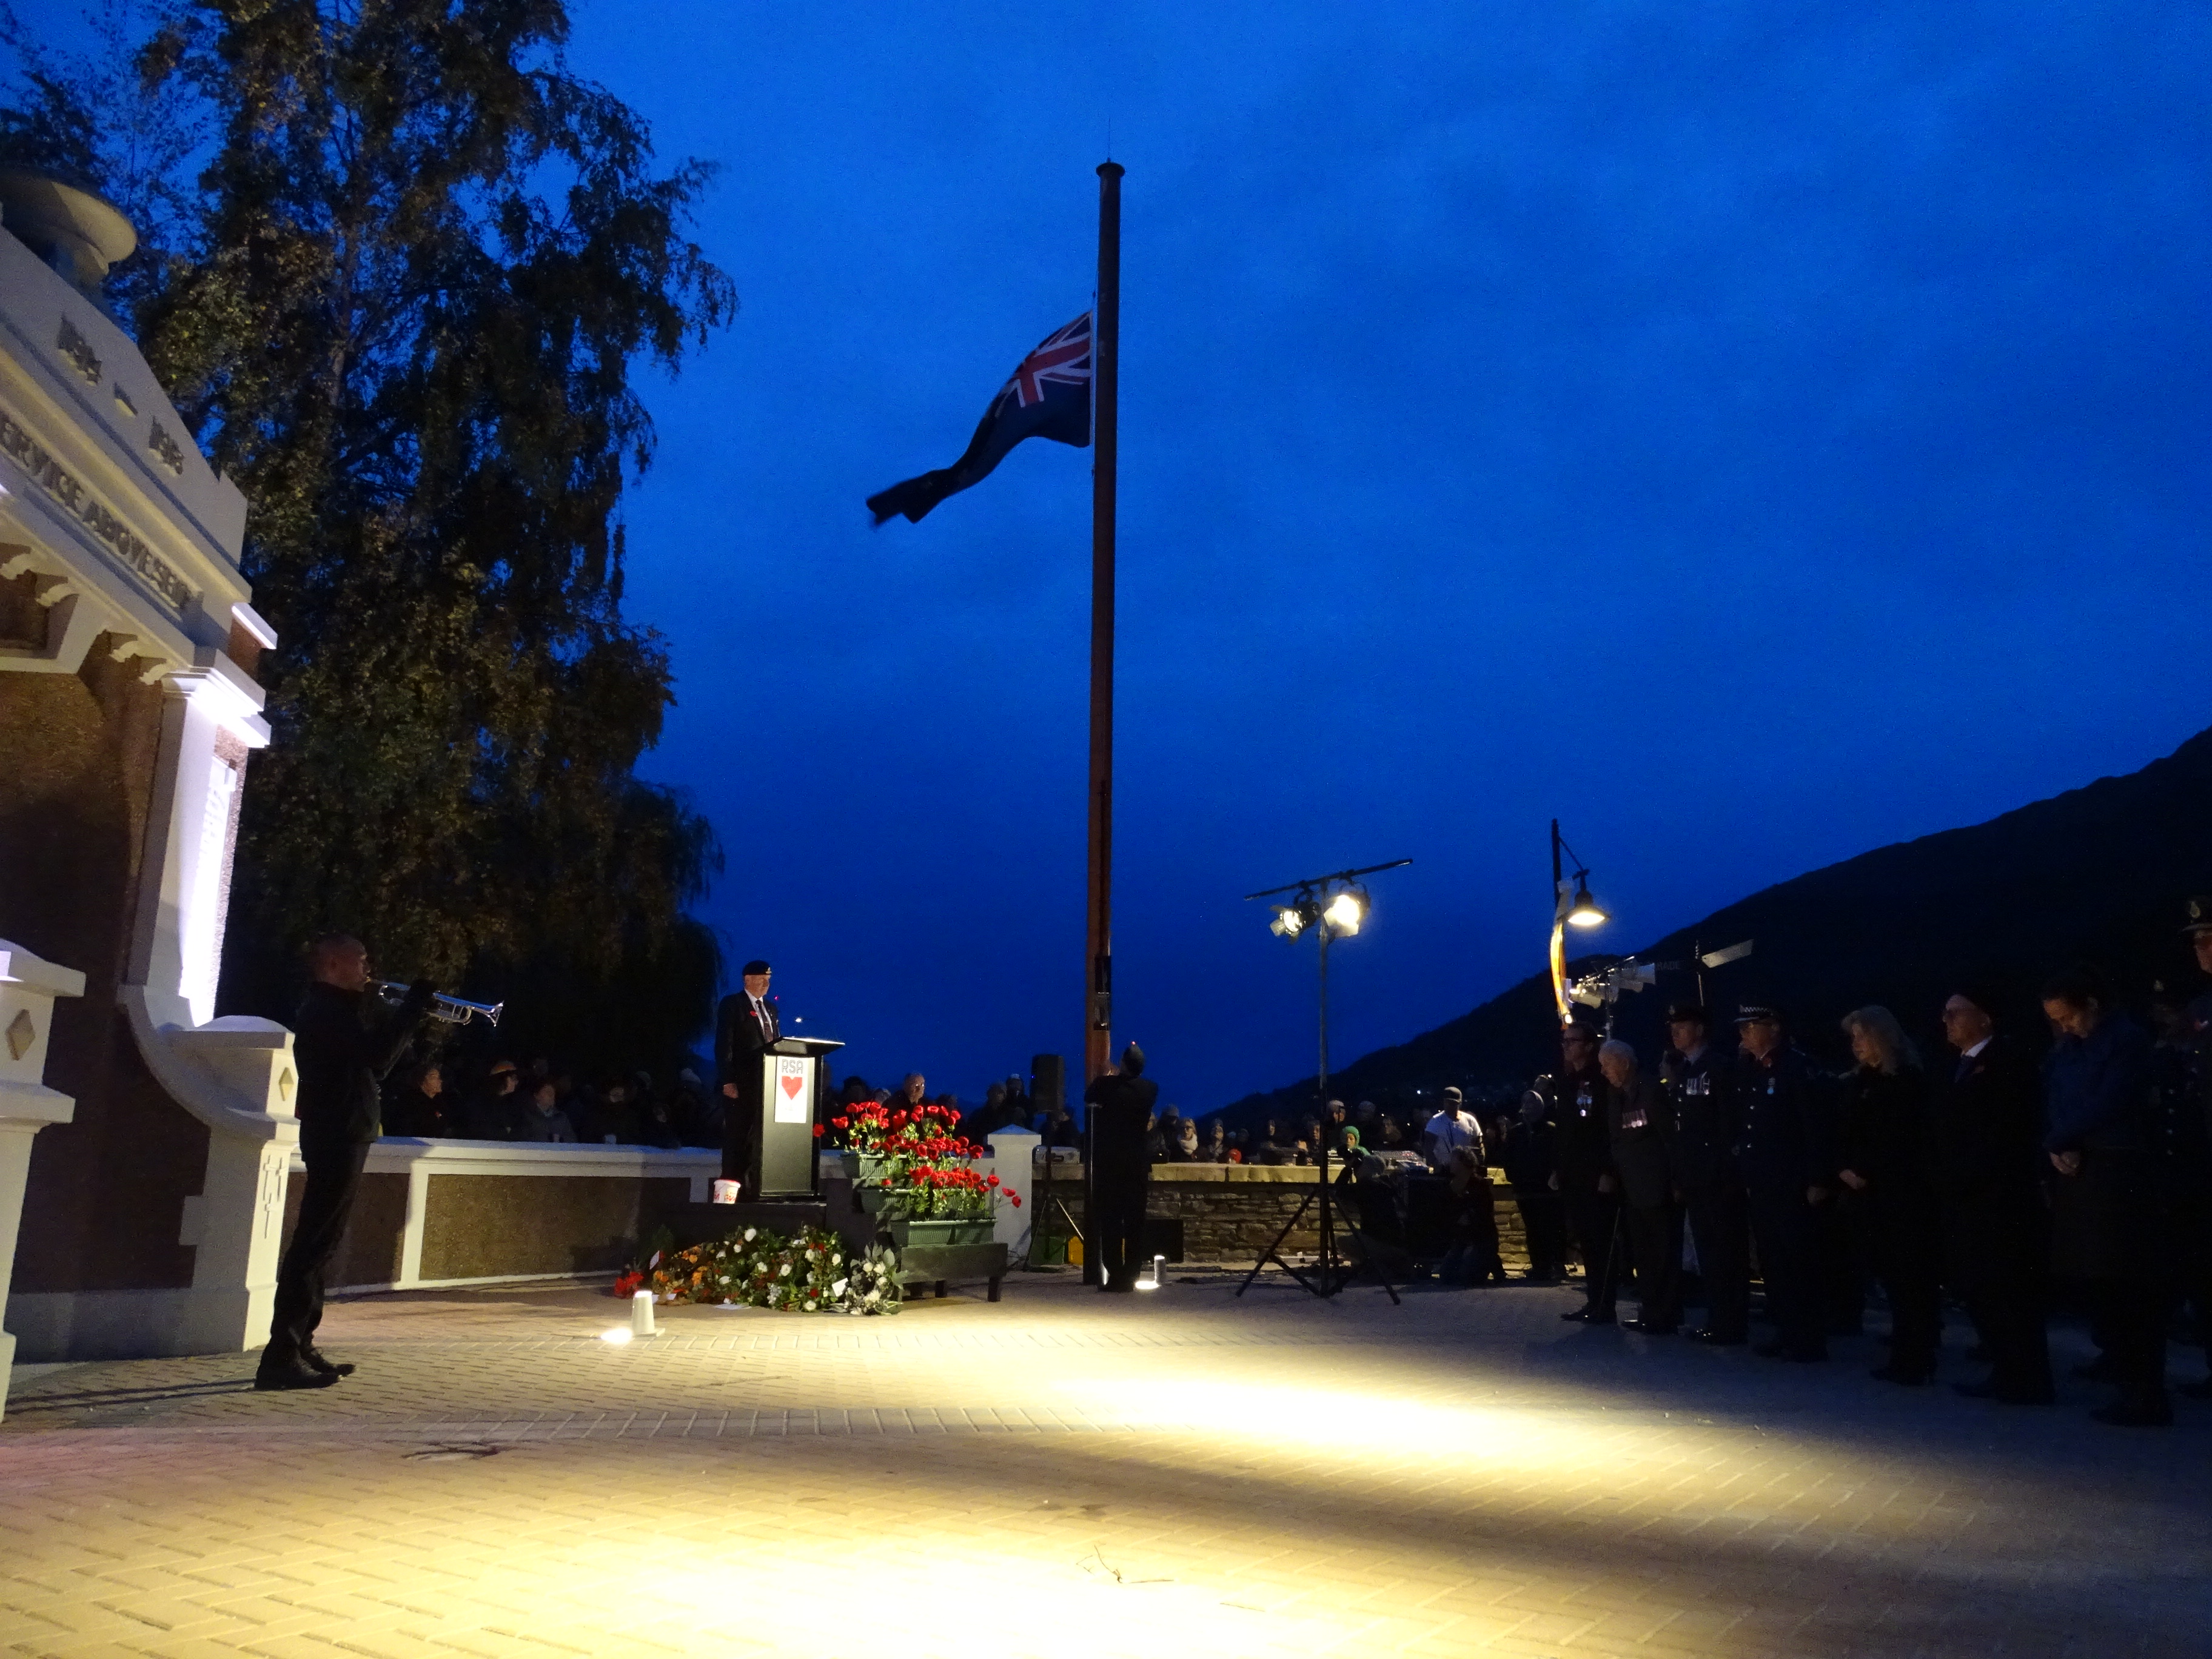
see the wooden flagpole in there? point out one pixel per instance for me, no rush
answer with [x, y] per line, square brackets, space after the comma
[1106, 333]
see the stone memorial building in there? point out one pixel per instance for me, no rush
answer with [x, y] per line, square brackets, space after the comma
[143, 1142]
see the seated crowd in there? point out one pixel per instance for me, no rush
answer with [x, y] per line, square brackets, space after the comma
[540, 1103]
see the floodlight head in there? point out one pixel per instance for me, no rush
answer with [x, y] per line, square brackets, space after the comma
[1582, 910]
[1347, 910]
[1288, 922]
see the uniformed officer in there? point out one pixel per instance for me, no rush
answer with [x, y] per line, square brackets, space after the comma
[1788, 1159]
[1699, 1078]
[1643, 1132]
[1584, 1174]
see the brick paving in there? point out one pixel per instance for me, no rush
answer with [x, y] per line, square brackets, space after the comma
[1071, 1475]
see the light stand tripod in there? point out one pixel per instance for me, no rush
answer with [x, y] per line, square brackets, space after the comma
[1334, 905]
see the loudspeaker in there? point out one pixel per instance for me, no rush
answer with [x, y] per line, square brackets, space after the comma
[1048, 1081]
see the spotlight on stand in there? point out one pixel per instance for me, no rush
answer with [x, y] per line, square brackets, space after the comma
[1347, 910]
[1334, 906]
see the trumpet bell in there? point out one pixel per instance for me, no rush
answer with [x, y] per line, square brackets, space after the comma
[454, 1011]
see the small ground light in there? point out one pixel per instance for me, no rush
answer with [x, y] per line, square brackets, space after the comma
[1154, 1282]
[640, 1314]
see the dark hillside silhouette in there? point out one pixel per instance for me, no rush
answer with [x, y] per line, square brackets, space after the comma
[2098, 874]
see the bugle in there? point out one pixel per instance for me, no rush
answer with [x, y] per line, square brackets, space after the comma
[454, 1011]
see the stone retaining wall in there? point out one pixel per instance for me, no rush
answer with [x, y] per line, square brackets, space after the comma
[1229, 1211]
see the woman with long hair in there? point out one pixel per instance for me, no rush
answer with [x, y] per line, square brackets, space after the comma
[1887, 1159]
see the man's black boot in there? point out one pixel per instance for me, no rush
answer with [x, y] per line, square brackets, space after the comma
[315, 1362]
[291, 1374]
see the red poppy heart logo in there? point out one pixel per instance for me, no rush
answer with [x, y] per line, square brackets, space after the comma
[791, 1085]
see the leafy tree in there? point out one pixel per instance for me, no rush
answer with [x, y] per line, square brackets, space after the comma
[421, 261]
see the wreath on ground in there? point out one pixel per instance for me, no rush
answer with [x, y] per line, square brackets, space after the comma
[812, 1273]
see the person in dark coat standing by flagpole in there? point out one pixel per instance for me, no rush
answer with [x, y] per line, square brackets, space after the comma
[745, 1027]
[344, 1042]
[1119, 1103]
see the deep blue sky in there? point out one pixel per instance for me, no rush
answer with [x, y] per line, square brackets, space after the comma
[1752, 434]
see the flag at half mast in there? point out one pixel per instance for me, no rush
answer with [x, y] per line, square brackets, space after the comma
[1047, 397]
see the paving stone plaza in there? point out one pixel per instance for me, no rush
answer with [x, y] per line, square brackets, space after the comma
[1069, 1473]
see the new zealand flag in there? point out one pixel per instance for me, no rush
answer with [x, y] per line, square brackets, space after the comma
[1048, 397]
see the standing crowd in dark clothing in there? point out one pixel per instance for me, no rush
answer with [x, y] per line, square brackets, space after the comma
[2007, 1183]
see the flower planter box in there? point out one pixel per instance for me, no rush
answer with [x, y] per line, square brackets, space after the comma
[882, 1200]
[903, 1232]
[931, 1265]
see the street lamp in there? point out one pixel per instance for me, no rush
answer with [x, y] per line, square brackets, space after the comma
[1570, 908]
[1333, 907]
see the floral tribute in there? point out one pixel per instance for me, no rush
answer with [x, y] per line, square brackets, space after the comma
[925, 1171]
[813, 1273]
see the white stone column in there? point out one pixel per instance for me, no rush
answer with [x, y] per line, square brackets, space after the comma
[235, 1074]
[28, 986]
[1013, 1160]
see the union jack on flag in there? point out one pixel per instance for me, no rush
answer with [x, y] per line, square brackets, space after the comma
[1047, 396]
[1064, 359]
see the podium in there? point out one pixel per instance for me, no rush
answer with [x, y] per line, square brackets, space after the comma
[793, 1084]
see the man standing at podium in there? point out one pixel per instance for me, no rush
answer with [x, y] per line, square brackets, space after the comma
[744, 1027]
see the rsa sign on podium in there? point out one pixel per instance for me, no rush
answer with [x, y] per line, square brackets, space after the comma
[794, 1083]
